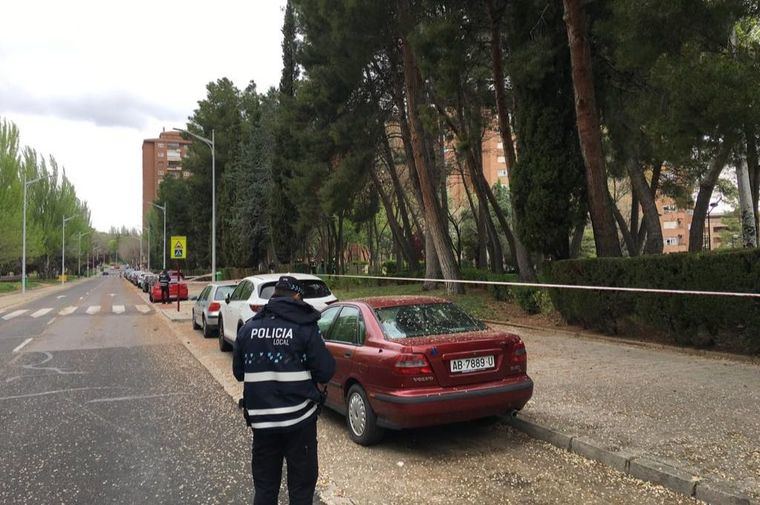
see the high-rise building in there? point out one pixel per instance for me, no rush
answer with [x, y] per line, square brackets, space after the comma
[162, 157]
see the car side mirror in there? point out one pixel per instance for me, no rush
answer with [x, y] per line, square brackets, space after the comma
[227, 299]
[193, 298]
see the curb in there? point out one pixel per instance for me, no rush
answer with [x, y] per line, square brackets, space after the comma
[33, 295]
[636, 464]
[704, 353]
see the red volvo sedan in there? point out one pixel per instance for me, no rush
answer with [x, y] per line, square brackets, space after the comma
[411, 361]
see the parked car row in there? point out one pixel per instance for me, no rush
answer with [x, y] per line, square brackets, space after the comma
[148, 283]
[401, 362]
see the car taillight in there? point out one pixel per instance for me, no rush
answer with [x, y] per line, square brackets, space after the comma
[214, 306]
[518, 359]
[256, 308]
[413, 364]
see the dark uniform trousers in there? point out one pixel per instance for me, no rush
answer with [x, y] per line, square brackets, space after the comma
[165, 294]
[299, 448]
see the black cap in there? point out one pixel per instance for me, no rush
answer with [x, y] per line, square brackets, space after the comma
[289, 283]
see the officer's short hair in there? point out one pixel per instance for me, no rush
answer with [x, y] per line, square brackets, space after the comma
[288, 286]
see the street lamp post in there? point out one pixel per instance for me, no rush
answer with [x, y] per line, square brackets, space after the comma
[163, 209]
[79, 252]
[709, 227]
[63, 248]
[23, 234]
[148, 248]
[210, 143]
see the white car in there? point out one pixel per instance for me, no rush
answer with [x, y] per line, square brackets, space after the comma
[253, 292]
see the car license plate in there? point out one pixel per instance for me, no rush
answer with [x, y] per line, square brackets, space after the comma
[472, 364]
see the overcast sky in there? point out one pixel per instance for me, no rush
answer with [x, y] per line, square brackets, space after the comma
[87, 81]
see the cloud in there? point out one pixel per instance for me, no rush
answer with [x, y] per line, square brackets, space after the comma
[109, 109]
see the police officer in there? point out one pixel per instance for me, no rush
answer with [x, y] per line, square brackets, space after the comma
[163, 281]
[281, 357]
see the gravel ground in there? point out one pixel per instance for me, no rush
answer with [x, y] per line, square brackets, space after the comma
[698, 413]
[478, 462]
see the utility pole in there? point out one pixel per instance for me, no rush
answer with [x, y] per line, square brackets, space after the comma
[79, 252]
[163, 209]
[63, 249]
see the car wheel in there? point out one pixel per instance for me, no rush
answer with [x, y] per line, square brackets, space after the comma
[195, 324]
[223, 345]
[206, 329]
[361, 419]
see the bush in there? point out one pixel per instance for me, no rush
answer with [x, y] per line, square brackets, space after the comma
[698, 320]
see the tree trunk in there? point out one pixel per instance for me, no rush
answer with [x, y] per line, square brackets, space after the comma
[519, 251]
[651, 218]
[706, 186]
[435, 223]
[399, 190]
[398, 235]
[432, 265]
[630, 243]
[577, 240]
[749, 232]
[589, 132]
[754, 175]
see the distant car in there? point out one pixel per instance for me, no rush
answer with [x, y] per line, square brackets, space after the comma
[206, 309]
[105, 272]
[253, 293]
[148, 281]
[176, 288]
[407, 362]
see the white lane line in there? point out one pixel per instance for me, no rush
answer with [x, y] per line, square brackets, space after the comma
[56, 391]
[143, 308]
[51, 321]
[112, 294]
[40, 313]
[22, 344]
[68, 310]
[60, 296]
[139, 397]
[81, 297]
[15, 313]
[118, 309]
[93, 309]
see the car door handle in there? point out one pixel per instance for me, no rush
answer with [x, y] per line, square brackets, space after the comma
[347, 354]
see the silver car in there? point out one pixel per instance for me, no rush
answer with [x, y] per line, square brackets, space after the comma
[207, 305]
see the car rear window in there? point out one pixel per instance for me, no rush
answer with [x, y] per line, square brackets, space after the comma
[223, 291]
[407, 321]
[312, 288]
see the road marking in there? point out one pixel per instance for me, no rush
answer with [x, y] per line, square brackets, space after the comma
[139, 397]
[81, 297]
[56, 391]
[93, 309]
[118, 309]
[68, 310]
[112, 294]
[143, 308]
[41, 312]
[60, 296]
[15, 313]
[22, 344]
[51, 321]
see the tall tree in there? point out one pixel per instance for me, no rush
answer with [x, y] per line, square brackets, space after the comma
[589, 130]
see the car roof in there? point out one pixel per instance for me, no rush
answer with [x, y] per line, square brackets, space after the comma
[382, 302]
[276, 277]
[223, 283]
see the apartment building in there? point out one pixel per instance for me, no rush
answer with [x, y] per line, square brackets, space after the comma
[162, 157]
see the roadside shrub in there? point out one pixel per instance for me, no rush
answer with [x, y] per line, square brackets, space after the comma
[529, 299]
[698, 320]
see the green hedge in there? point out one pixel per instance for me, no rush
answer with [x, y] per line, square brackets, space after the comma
[725, 322]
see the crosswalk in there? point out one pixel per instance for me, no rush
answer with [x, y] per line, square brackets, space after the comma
[87, 310]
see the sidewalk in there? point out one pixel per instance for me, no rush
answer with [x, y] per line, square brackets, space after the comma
[695, 413]
[8, 300]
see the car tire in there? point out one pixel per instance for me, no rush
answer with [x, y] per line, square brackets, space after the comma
[196, 326]
[360, 418]
[206, 330]
[224, 346]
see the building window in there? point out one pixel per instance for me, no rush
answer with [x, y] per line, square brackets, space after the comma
[669, 225]
[502, 173]
[500, 146]
[668, 208]
[160, 154]
[501, 159]
[160, 145]
[160, 173]
[173, 145]
[671, 241]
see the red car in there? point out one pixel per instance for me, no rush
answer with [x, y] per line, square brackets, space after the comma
[406, 362]
[175, 286]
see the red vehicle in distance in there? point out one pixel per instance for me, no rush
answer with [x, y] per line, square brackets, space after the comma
[176, 286]
[412, 361]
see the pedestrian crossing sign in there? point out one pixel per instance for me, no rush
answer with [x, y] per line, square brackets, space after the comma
[178, 247]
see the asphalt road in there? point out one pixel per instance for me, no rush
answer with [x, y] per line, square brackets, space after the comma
[99, 403]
